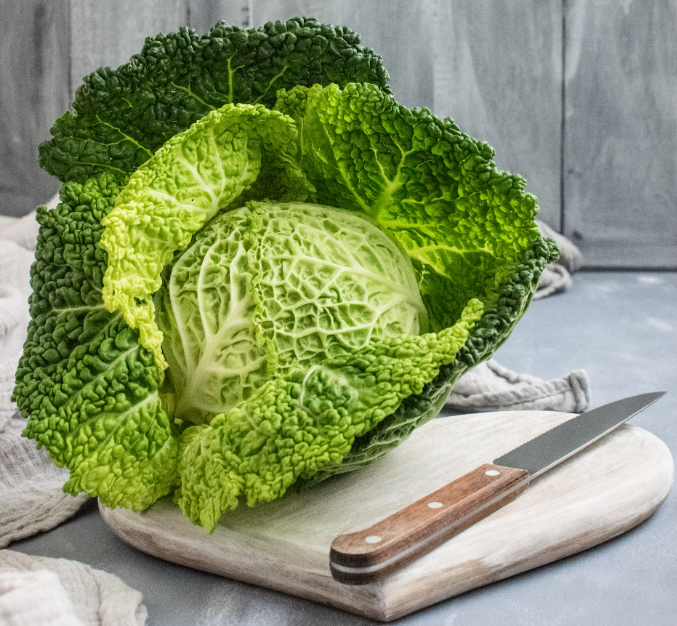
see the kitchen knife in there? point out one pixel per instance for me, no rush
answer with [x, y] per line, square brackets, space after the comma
[368, 555]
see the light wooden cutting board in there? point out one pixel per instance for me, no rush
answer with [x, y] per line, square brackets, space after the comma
[604, 491]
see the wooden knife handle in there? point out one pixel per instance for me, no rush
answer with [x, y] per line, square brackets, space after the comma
[370, 554]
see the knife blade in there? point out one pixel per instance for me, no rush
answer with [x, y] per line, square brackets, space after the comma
[371, 554]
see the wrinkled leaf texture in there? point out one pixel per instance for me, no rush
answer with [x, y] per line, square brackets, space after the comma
[91, 390]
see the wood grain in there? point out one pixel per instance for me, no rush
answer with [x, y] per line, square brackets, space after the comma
[399, 30]
[620, 148]
[203, 15]
[498, 75]
[415, 530]
[34, 91]
[604, 169]
[109, 33]
[607, 489]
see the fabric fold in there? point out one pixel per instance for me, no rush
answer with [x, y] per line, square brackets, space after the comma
[79, 595]
[492, 387]
[31, 496]
[30, 598]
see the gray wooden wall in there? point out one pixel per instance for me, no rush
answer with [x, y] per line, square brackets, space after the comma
[578, 96]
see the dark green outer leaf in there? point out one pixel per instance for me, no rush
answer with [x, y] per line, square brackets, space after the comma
[89, 389]
[121, 117]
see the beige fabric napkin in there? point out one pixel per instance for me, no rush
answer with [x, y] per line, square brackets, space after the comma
[30, 598]
[31, 499]
[39, 591]
[492, 387]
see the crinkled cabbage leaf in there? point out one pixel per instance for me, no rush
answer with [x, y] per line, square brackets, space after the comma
[164, 152]
[269, 287]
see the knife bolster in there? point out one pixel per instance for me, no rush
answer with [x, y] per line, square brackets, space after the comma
[370, 554]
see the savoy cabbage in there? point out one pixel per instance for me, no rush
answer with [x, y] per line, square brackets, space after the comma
[270, 287]
[263, 270]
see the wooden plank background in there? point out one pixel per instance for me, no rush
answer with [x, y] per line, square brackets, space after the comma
[578, 96]
[35, 89]
[498, 74]
[620, 131]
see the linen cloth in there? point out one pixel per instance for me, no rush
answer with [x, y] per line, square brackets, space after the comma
[28, 598]
[39, 591]
[492, 387]
[31, 499]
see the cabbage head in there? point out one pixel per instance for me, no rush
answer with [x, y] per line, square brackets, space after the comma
[263, 270]
[270, 287]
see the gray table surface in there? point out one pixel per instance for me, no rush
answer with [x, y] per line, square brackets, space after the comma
[622, 329]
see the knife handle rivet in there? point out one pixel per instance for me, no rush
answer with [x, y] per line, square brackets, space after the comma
[373, 539]
[492, 472]
[435, 505]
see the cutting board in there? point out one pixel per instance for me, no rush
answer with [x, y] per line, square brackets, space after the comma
[612, 486]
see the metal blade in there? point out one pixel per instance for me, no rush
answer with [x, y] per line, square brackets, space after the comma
[557, 444]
